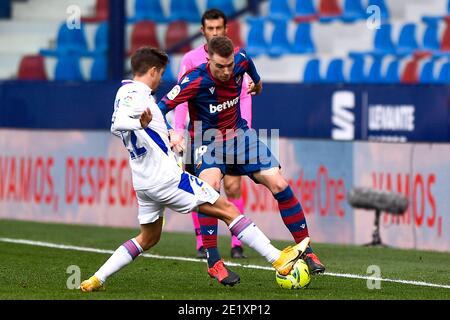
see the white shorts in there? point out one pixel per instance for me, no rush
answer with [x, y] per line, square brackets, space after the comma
[182, 196]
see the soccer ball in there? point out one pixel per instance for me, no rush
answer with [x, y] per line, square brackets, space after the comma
[298, 278]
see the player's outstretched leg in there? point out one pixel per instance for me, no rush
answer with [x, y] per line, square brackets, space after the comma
[208, 228]
[232, 186]
[201, 252]
[294, 218]
[124, 255]
[216, 266]
[291, 212]
[250, 234]
[237, 251]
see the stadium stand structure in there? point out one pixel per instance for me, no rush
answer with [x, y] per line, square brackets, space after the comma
[412, 43]
[144, 33]
[32, 67]
[227, 6]
[101, 12]
[176, 32]
[184, 10]
[305, 11]
[148, 10]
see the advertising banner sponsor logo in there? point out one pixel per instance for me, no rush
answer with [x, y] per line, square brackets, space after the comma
[421, 173]
[83, 177]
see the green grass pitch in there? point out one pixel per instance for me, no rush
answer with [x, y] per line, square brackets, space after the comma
[36, 272]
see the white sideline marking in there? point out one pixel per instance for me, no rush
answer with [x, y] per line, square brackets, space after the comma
[154, 256]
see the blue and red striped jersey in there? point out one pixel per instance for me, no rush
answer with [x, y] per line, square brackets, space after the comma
[213, 102]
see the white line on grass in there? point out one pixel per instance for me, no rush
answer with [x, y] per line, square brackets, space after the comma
[154, 256]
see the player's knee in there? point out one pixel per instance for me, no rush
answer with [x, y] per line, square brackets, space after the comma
[278, 185]
[233, 189]
[215, 185]
[149, 241]
[228, 211]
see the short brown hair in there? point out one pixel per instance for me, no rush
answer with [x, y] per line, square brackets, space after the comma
[147, 57]
[214, 14]
[221, 45]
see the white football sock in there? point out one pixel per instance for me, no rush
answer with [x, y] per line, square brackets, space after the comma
[246, 231]
[124, 255]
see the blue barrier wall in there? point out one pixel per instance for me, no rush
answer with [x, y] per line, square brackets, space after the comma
[361, 112]
[342, 112]
[5, 9]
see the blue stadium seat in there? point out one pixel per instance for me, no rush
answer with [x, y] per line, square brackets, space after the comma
[68, 41]
[353, 10]
[279, 9]
[99, 68]
[375, 72]
[393, 72]
[335, 71]
[312, 72]
[101, 39]
[184, 10]
[226, 6]
[168, 75]
[305, 11]
[427, 73]
[148, 10]
[280, 44]
[303, 41]
[430, 37]
[383, 40]
[256, 43]
[444, 73]
[436, 19]
[68, 68]
[384, 10]
[407, 42]
[357, 70]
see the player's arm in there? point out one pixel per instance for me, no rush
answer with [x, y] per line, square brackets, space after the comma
[255, 89]
[247, 64]
[145, 118]
[130, 114]
[181, 110]
[185, 90]
[176, 138]
[246, 100]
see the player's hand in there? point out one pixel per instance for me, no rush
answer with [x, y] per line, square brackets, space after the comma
[253, 88]
[146, 118]
[177, 142]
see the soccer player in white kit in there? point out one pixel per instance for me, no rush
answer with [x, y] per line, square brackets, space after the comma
[159, 182]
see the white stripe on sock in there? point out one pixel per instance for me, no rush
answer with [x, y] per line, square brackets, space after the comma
[256, 239]
[137, 245]
[119, 259]
[238, 218]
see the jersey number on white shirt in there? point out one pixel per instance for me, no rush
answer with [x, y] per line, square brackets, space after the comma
[132, 147]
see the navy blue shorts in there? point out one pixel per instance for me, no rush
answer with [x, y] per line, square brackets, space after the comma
[242, 155]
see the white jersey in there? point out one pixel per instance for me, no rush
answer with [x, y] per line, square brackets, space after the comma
[152, 162]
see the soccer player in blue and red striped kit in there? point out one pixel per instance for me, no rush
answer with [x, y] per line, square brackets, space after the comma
[223, 144]
[159, 182]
